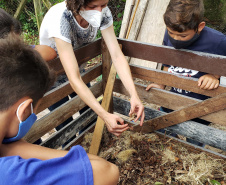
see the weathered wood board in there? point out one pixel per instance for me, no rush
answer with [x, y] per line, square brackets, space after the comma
[152, 29]
[126, 18]
[202, 133]
[170, 100]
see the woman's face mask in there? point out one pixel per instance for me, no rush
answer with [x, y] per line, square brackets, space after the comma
[179, 44]
[24, 126]
[93, 17]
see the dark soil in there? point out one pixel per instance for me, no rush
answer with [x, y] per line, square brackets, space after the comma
[150, 159]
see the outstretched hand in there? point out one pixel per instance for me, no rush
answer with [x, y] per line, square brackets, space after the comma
[137, 108]
[112, 121]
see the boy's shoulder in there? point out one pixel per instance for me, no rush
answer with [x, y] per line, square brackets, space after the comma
[210, 41]
[74, 167]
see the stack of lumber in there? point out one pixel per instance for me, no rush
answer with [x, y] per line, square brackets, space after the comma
[143, 21]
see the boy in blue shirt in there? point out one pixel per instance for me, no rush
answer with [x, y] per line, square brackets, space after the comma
[187, 30]
[24, 78]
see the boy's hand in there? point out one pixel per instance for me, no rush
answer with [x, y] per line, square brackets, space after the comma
[208, 82]
[111, 121]
[155, 86]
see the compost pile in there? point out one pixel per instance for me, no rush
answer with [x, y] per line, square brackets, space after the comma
[150, 159]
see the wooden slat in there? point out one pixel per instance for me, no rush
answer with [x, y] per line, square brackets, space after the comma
[106, 63]
[70, 130]
[97, 135]
[170, 100]
[214, 64]
[191, 147]
[199, 132]
[165, 78]
[82, 54]
[187, 113]
[59, 115]
[65, 89]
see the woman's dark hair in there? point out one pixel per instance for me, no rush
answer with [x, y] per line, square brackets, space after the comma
[76, 5]
[23, 72]
[8, 24]
[183, 15]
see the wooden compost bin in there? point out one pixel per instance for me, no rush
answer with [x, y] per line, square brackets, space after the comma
[213, 64]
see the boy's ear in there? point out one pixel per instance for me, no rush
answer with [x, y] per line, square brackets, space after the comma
[25, 109]
[201, 26]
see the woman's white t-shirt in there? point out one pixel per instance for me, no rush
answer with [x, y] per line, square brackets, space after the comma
[59, 22]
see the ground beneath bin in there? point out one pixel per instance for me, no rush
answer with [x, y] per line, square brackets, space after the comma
[150, 159]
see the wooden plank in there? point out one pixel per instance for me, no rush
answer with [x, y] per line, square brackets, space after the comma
[82, 54]
[59, 115]
[209, 63]
[191, 147]
[152, 28]
[65, 89]
[169, 79]
[70, 130]
[190, 112]
[138, 20]
[106, 63]
[126, 18]
[204, 134]
[170, 100]
[97, 135]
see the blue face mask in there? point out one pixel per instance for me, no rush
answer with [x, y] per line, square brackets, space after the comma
[24, 126]
[179, 44]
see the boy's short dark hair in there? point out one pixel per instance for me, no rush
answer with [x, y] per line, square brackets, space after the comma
[23, 73]
[183, 15]
[8, 24]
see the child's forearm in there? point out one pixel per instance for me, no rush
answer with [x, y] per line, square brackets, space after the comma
[28, 150]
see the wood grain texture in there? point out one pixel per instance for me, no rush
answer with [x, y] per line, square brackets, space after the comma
[187, 113]
[202, 133]
[83, 54]
[59, 115]
[152, 28]
[65, 89]
[170, 100]
[97, 135]
[209, 63]
[169, 79]
[74, 127]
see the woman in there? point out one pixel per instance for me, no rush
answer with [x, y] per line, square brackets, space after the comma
[74, 23]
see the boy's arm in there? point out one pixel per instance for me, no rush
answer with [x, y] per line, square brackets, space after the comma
[209, 81]
[159, 86]
[27, 150]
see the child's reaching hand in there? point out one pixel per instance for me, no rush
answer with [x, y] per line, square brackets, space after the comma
[152, 85]
[208, 82]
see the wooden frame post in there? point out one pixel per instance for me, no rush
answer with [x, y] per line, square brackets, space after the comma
[106, 66]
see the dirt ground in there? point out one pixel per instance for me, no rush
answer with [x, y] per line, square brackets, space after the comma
[150, 159]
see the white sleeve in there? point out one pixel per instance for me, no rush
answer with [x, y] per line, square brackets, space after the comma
[55, 25]
[107, 19]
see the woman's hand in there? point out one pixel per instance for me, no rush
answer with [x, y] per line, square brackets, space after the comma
[137, 108]
[112, 121]
[208, 82]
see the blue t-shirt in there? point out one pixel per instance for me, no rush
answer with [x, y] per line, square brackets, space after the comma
[74, 168]
[210, 41]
